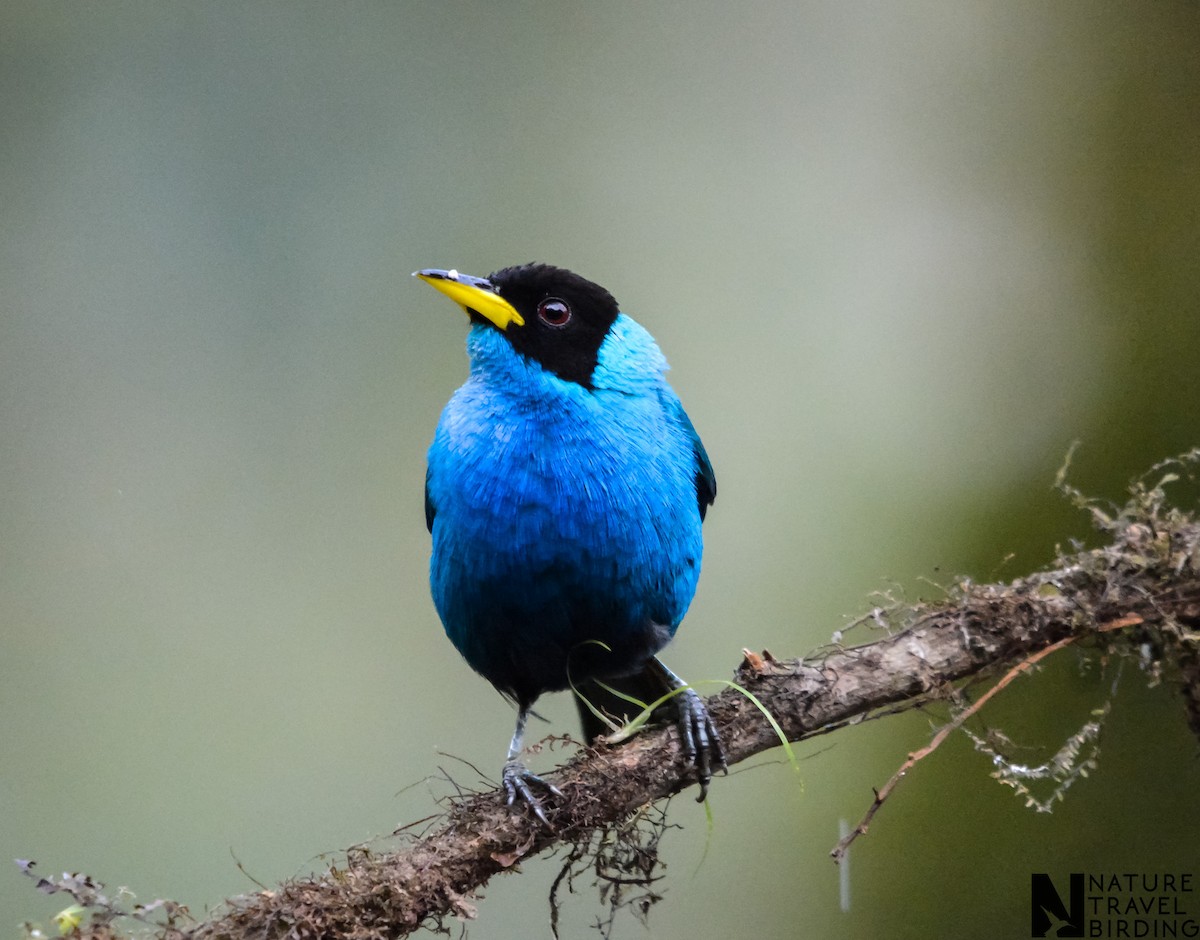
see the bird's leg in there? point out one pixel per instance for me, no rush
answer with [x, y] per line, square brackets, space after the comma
[697, 734]
[517, 779]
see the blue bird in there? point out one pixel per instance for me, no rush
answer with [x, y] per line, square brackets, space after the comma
[565, 493]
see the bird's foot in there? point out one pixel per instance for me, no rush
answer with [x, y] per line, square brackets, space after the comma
[699, 739]
[517, 782]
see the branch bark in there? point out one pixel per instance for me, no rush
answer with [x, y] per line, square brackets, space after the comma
[1145, 582]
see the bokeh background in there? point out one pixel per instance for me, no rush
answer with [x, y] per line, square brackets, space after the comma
[900, 255]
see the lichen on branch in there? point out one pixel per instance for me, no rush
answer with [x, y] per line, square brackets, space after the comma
[1136, 594]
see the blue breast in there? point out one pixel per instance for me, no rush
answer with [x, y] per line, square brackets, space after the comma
[565, 520]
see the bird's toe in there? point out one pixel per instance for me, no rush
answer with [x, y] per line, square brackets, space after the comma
[699, 739]
[518, 784]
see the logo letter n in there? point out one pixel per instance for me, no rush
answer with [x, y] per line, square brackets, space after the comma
[1049, 909]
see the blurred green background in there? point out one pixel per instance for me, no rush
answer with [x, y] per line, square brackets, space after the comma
[900, 255]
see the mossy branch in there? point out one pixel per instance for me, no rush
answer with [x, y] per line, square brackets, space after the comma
[1139, 592]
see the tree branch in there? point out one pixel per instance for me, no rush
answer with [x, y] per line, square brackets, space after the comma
[1141, 591]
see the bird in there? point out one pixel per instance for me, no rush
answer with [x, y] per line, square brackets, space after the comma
[564, 493]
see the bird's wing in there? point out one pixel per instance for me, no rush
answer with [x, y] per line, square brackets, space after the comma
[706, 480]
[430, 509]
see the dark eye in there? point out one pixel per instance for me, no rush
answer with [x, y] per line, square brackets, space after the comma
[554, 312]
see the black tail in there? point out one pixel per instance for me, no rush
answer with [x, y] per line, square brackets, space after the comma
[646, 686]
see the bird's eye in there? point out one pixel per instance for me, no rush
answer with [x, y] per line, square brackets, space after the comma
[554, 312]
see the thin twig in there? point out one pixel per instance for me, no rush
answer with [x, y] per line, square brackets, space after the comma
[843, 846]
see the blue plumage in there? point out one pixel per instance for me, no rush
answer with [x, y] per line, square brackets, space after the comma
[565, 493]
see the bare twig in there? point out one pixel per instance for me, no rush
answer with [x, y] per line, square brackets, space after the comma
[839, 850]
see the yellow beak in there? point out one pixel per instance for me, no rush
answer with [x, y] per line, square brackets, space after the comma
[472, 294]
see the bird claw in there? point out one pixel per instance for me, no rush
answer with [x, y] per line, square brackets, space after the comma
[517, 781]
[699, 739]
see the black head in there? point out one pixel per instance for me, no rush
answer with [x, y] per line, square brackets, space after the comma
[566, 318]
